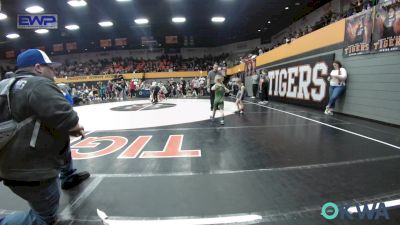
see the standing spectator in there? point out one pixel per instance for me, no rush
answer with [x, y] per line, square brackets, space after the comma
[110, 89]
[132, 88]
[183, 87]
[117, 90]
[73, 90]
[163, 92]
[33, 174]
[124, 89]
[196, 86]
[235, 86]
[202, 81]
[264, 86]
[255, 79]
[337, 87]
[154, 90]
[121, 87]
[103, 90]
[174, 88]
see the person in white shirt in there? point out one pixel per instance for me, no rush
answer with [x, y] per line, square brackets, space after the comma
[195, 86]
[337, 80]
[202, 81]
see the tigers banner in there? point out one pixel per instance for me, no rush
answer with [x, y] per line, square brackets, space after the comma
[357, 38]
[386, 35]
[303, 82]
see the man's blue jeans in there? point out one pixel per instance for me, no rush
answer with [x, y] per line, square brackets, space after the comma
[334, 94]
[43, 200]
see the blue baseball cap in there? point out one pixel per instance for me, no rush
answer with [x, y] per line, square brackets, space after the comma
[34, 56]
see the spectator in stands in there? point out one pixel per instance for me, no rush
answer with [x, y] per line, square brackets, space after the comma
[129, 64]
[337, 80]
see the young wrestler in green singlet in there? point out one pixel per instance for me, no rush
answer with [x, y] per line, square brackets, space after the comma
[220, 91]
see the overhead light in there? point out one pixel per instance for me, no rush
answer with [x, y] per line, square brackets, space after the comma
[287, 7]
[106, 23]
[179, 19]
[34, 9]
[297, 3]
[77, 3]
[269, 21]
[218, 19]
[3, 16]
[259, 30]
[72, 27]
[142, 21]
[42, 31]
[123, 0]
[12, 36]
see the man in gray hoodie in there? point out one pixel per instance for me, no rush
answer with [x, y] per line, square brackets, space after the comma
[32, 171]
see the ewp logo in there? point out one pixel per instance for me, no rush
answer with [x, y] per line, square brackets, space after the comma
[48, 21]
[331, 211]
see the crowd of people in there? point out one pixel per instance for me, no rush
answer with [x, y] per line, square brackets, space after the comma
[356, 6]
[120, 89]
[115, 65]
[330, 17]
